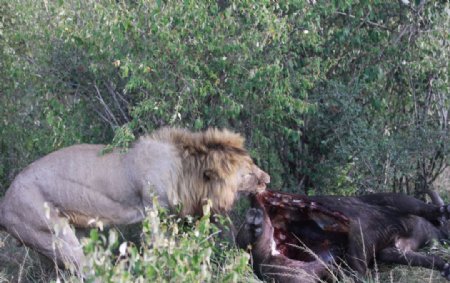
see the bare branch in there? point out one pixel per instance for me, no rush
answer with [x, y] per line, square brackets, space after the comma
[108, 111]
[364, 20]
[105, 119]
[113, 94]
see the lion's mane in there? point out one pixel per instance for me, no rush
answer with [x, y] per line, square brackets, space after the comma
[208, 160]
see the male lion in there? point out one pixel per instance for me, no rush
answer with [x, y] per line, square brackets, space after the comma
[80, 187]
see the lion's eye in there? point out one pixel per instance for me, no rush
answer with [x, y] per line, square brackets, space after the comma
[209, 175]
[206, 177]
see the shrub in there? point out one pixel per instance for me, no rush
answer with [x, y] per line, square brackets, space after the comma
[172, 250]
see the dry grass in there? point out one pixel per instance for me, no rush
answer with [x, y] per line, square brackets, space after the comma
[21, 264]
[407, 274]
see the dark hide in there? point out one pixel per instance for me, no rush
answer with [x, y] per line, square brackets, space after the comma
[295, 238]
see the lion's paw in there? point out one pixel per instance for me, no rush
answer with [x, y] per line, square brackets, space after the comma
[445, 211]
[254, 220]
[446, 271]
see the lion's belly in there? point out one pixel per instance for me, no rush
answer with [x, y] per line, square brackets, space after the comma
[110, 217]
[88, 208]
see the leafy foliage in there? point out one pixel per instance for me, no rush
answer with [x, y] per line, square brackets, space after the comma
[332, 96]
[172, 250]
[315, 87]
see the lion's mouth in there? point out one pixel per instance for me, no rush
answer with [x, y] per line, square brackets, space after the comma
[304, 230]
[261, 187]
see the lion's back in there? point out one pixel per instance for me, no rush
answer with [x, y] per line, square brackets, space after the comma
[68, 170]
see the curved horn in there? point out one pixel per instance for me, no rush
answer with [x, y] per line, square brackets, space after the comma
[435, 197]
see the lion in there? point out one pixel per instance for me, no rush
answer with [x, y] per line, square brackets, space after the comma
[78, 187]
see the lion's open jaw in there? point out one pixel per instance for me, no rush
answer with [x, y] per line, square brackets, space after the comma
[303, 230]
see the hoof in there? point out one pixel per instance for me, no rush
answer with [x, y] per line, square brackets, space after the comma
[254, 220]
[445, 211]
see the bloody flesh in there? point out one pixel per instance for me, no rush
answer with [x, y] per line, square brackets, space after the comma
[304, 229]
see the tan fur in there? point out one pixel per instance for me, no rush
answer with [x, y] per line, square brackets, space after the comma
[79, 186]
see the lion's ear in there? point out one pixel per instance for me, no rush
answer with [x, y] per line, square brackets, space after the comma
[210, 175]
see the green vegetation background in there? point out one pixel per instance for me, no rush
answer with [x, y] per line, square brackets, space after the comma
[332, 96]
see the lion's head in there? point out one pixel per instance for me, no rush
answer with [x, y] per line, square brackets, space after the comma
[215, 166]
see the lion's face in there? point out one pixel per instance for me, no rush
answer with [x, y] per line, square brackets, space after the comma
[247, 178]
[215, 167]
[251, 179]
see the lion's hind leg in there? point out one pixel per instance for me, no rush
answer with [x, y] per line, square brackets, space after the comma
[47, 232]
[64, 249]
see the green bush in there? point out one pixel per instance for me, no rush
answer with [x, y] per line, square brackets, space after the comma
[172, 250]
[144, 64]
[332, 96]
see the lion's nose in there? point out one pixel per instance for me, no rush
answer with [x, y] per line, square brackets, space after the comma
[266, 178]
[263, 177]
[263, 180]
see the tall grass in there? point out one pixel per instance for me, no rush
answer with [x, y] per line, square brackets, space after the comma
[173, 249]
